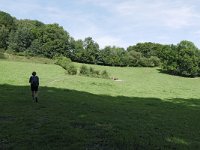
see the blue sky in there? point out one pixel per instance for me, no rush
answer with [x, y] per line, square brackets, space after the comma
[116, 22]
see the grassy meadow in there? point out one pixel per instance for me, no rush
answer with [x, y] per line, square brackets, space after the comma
[144, 109]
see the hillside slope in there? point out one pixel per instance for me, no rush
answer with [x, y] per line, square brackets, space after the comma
[140, 82]
[145, 110]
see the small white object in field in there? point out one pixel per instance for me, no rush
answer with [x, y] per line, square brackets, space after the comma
[118, 80]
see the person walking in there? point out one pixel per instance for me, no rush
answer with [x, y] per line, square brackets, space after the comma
[34, 83]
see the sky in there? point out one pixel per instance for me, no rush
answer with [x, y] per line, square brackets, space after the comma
[116, 22]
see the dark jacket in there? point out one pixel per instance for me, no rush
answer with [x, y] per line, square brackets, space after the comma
[34, 81]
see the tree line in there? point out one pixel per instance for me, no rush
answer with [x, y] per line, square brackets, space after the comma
[34, 38]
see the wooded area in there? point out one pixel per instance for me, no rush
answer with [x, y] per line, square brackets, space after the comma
[34, 38]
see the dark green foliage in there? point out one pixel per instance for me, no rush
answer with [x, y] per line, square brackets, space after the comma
[2, 56]
[37, 38]
[146, 62]
[6, 25]
[147, 49]
[62, 61]
[66, 63]
[94, 73]
[104, 74]
[182, 60]
[25, 37]
[72, 70]
[76, 50]
[112, 56]
[36, 48]
[4, 34]
[91, 72]
[6, 20]
[155, 61]
[20, 40]
[91, 50]
[134, 58]
[84, 70]
[34, 38]
[145, 54]
[31, 37]
[86, 51]
[52, 40]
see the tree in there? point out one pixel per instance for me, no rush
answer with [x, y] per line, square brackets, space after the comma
[6, 25]
[6, 20]
[182, 60]
[21, 39]
[51, 40]
[76, 50]
[4, 34]
[90, 51]
[26, 32]
[114, 56]
[147, 49]
[134, 58]
[188, 59]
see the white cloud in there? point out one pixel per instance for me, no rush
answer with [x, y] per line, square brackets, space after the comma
[180, 17]
[158, 12]
[106, 40]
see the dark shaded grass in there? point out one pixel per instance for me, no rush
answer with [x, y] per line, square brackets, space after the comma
[69, 119]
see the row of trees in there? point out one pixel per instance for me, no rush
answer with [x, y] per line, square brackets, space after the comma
[32, 37]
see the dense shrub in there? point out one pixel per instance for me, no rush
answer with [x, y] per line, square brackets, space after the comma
[94, 73]
[62, 61]
[84, 70]
[72, 70]
[155, 61]
[146, 62]
[2, 56]
[104, 74]
[66, 63]
[91, 72]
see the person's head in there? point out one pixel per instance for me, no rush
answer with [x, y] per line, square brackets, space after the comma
[33, 73]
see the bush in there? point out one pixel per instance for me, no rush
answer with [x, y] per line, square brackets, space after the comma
[72, 70]
[146, 62]
[94, 73]
[155, 61]
[2, 56]
[66, 63]
[84, 70]
[62, 61]
[104, 74]
[2, 50]
[9, 51]
[91, 72]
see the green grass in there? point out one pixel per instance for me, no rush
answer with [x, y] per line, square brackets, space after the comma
[146, 110]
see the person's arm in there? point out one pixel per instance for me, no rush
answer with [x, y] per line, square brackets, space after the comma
[38, 81]
[30, 80]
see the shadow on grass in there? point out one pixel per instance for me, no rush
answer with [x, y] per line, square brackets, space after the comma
[69, 119]
[167, 72]
[173, 74]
